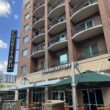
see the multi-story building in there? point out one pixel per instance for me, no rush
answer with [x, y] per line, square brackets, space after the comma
[55, 33]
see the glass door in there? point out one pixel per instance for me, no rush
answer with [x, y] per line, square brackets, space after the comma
[92, 98]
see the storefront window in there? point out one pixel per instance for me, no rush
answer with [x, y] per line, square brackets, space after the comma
[38, 95]
[62, 93]
[10, 95]
[92, 98]
[90, 50]
[22, 95]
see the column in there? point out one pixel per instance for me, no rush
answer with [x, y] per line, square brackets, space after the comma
[16, 95]
[27, 96]
[46, 94]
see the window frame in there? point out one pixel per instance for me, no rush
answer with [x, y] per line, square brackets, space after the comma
[24, 51]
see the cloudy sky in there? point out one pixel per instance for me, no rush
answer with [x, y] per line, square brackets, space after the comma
[10, 19]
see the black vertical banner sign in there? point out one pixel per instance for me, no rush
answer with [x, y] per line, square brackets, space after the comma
[12, 51]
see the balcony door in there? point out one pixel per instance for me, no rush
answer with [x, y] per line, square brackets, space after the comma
[92, 98]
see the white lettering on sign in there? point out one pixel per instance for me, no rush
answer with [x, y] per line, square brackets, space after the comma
[57, 68]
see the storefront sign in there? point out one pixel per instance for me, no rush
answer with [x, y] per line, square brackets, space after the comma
[61, 67]
[12, 51]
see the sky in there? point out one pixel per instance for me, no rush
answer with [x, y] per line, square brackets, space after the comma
[10, 19]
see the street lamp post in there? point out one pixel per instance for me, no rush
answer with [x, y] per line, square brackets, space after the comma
[74, 94]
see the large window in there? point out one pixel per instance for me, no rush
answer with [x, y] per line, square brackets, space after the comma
[9, 95]
[26, 27]
[22, 95]
[92, 98]
[38, 95]
[25, 39]
[86, 25]
[24, 69]
[41, 63]
[25, 52]
[90, 50]
[62, 93]
[63, 58]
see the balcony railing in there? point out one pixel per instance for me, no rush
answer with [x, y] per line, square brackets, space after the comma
[56, 20]
[38, 32]
[37, 18]
[92, 22]
[57, 38]
[39, 47]
[82, 4]
[38, 4]
[55, 4]
[100, 52]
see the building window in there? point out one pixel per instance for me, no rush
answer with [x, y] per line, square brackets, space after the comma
[26, 27]
[24, 69]
[90, 50]
[25, 39]
[62, 37]
[27, 5]
[25, 52]
[27, 15]
[38, 95]
[40, 64]
[63, 59]
[22, 95]
[86, 25]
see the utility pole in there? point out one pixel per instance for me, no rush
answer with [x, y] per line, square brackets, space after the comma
[74, 94]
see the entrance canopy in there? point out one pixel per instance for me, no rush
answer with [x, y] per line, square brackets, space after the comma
[86, 77]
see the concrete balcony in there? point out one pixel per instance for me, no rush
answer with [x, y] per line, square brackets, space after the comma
[38, 7]
[84, 9]
[38, 51]
[57, 25]
[58, 42]
[57, 8]
[38, 22]
[87, 29]
[38, 36]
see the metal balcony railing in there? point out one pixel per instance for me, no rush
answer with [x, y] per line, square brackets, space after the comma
[82, 4]
[100, 52]
[92, 22]
[39, 47]
[38, 32]
[37, 18]
[55, 4]
[38, 4]
[56, 20]
[57, 38]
